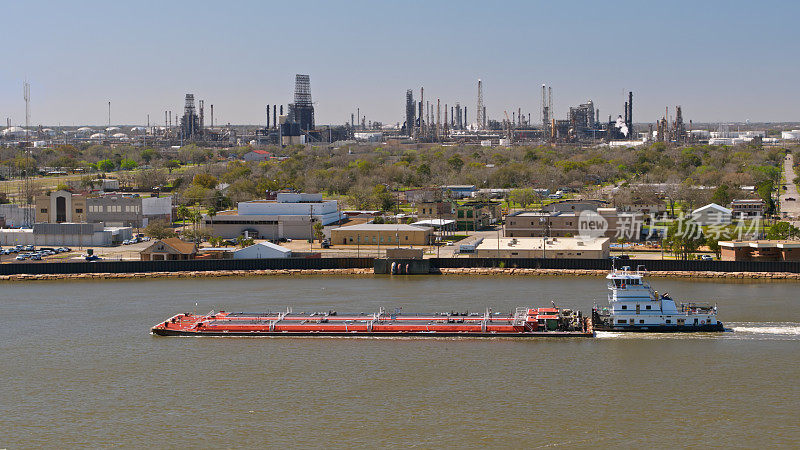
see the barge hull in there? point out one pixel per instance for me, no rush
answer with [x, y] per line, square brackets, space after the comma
[717, 327]
[419, 334]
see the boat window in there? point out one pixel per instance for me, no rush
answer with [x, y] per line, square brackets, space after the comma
[624, 306]
[669, 321]
[647, 307]
[641, 321]
[622, 321]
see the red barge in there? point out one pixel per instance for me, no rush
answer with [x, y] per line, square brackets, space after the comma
[524, 322]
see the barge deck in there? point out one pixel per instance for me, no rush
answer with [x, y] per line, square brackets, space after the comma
[525, 322]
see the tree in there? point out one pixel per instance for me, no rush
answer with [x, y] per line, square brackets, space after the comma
[106, 165]
[524, 197]
[765, 189]
[456, 163]
[243, 242]
[318, 234]
[713, 245]
[683, 237]
[128, 164]
[382, 198]
[722, 195]
[89, 181]
[149, 178]
[205, 180]
[783, 230]
[172, 164]
[182, 213]
[216, 241]
[212, 211]
[159, 229]
[147, 155]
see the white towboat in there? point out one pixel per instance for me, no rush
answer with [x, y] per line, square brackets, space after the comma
[634, 306]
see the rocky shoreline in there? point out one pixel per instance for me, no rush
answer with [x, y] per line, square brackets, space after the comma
[369, 272]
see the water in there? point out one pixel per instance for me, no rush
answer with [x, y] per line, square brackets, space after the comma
[79, 368]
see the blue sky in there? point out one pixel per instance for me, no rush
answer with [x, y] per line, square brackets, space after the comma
[722, 61]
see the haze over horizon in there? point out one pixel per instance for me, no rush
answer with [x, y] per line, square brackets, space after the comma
[721, 61]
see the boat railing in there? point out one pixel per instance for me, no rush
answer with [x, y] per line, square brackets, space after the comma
[520, 316]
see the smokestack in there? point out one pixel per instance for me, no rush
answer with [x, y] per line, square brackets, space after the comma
[421, 102]
[281, 109]
[625, 107]
[274, 116]
[630, 112]
[268, 117]
[212, 116]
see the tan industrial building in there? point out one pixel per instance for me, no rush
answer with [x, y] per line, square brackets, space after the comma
[760, 250]
[557, 247]
[607, 222]
[381, 234]
[61, 206]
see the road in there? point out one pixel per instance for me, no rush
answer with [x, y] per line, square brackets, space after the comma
[791, 208]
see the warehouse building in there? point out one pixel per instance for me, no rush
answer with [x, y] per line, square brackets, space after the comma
[607, 222]
[381, 234]
[66, 234]
[290, 215]
[556, 247]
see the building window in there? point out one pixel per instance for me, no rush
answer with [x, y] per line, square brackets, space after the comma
[78, 210]
[44, 210]
[460, 213]
[351, 239]
[406, 237]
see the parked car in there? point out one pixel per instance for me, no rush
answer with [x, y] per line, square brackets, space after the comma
[326, 243]
[36, 257]
[790, 199]
[29, 248]
[126, 242]
[706, 257]
[21, 258]
[92, 258]
[62, 250]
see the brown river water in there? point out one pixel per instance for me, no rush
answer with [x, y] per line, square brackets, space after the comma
[80, 369]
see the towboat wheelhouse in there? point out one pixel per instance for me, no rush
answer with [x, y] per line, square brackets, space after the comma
[634, 306]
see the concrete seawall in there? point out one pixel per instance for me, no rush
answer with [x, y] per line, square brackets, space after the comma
[369, 272]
